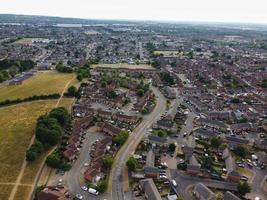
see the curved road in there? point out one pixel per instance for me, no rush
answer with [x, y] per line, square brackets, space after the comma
[116, 179]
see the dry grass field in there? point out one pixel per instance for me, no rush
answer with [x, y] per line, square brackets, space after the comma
[17, 124]
[47, 82]
[124, 65]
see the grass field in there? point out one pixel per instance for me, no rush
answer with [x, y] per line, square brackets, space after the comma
[124, 65]
[16, 130]
[24, 41]
[5, 190]
[168, 53]
[42, 83]
[23, 192]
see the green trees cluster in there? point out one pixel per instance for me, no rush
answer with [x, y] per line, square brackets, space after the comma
[131, 163]
[121, 138]
[166, 77]
[32, 98]
[241, 151]
[49, 130]
[108, 160]
[64, 69]
[243, 188]
[9, 68]
[72, 92]
[83, 72]
[172, 147]
[56, 160]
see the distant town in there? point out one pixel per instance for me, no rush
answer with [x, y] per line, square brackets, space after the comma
[131, 110]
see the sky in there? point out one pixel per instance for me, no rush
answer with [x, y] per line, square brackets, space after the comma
[251, 11]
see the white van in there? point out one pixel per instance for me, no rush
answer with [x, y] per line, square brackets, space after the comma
[93, 191]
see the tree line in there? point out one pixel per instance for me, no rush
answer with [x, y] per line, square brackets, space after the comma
[49, 130]
[9, 68]
[28, 99]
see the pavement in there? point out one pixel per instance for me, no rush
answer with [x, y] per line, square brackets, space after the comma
[184, 182]
[74, 178]
[116, 179]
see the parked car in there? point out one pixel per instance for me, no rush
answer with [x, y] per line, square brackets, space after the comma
[244, 178]
[78, 196]
[84, 188]
[174, 183]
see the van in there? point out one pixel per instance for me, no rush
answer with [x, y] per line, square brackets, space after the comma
[93, 191]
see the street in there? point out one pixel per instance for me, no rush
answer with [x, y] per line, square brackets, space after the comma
[116, 175]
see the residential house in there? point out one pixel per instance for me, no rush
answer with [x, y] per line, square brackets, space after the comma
[149, 188]
[202, 192]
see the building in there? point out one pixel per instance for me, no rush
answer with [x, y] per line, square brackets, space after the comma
[202, 192]
[53, 193]
[230, 196]
[151, 172]
[149, 188]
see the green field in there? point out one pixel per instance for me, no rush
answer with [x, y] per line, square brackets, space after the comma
[42, 83]
[17, 124]
[124, 65]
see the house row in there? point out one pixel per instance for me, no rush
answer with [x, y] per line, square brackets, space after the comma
[108, 128]
[75, 137]
[93, 172]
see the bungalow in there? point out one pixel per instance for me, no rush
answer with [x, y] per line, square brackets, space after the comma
[151, 172]
[188, 152]
[150, 189]
[205, 133]
[219, 115]
[212, 124]
[53, 193]
[202, 192]
[237, 128]
[193, 168]
[150, 158]
[230, 196]
[232, 174]
[153, 139]
[108, 128]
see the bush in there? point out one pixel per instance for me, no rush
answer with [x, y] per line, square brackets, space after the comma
[34, 151]
[102, 186]
[108, 160]
[243, 188]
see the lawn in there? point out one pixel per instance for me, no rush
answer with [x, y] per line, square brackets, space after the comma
[16, 130]
[42, 83]
[66, 102]
[124, 65]
[168, 53]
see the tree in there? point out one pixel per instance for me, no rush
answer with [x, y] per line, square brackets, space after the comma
[102, 186]
[243, 188]
[121, 138]
[241, 151]
[140, 92]
[172, 147]
[161, 133]
[61, 115]
[108, 160]
[72, 90]
[215, 142]
[207, 162]
[48, 130]
[131, 163]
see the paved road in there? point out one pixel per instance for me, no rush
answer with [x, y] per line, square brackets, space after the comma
[184, 181]
[116, 175]
[74, 177]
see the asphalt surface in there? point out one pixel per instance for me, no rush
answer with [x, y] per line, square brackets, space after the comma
[74, 178]
[184, 182]
[116, 175]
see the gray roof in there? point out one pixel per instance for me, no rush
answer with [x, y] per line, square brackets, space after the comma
[149, 187]
[156, 139]
[230, 196]
[151, 170]
[150, 159]
[203, 192]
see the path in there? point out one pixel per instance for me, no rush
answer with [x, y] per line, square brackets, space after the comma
[22, 169]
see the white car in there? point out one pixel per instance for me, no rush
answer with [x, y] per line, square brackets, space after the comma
[78, 196]
[86, 164]
[174, 183]
[84, 188]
